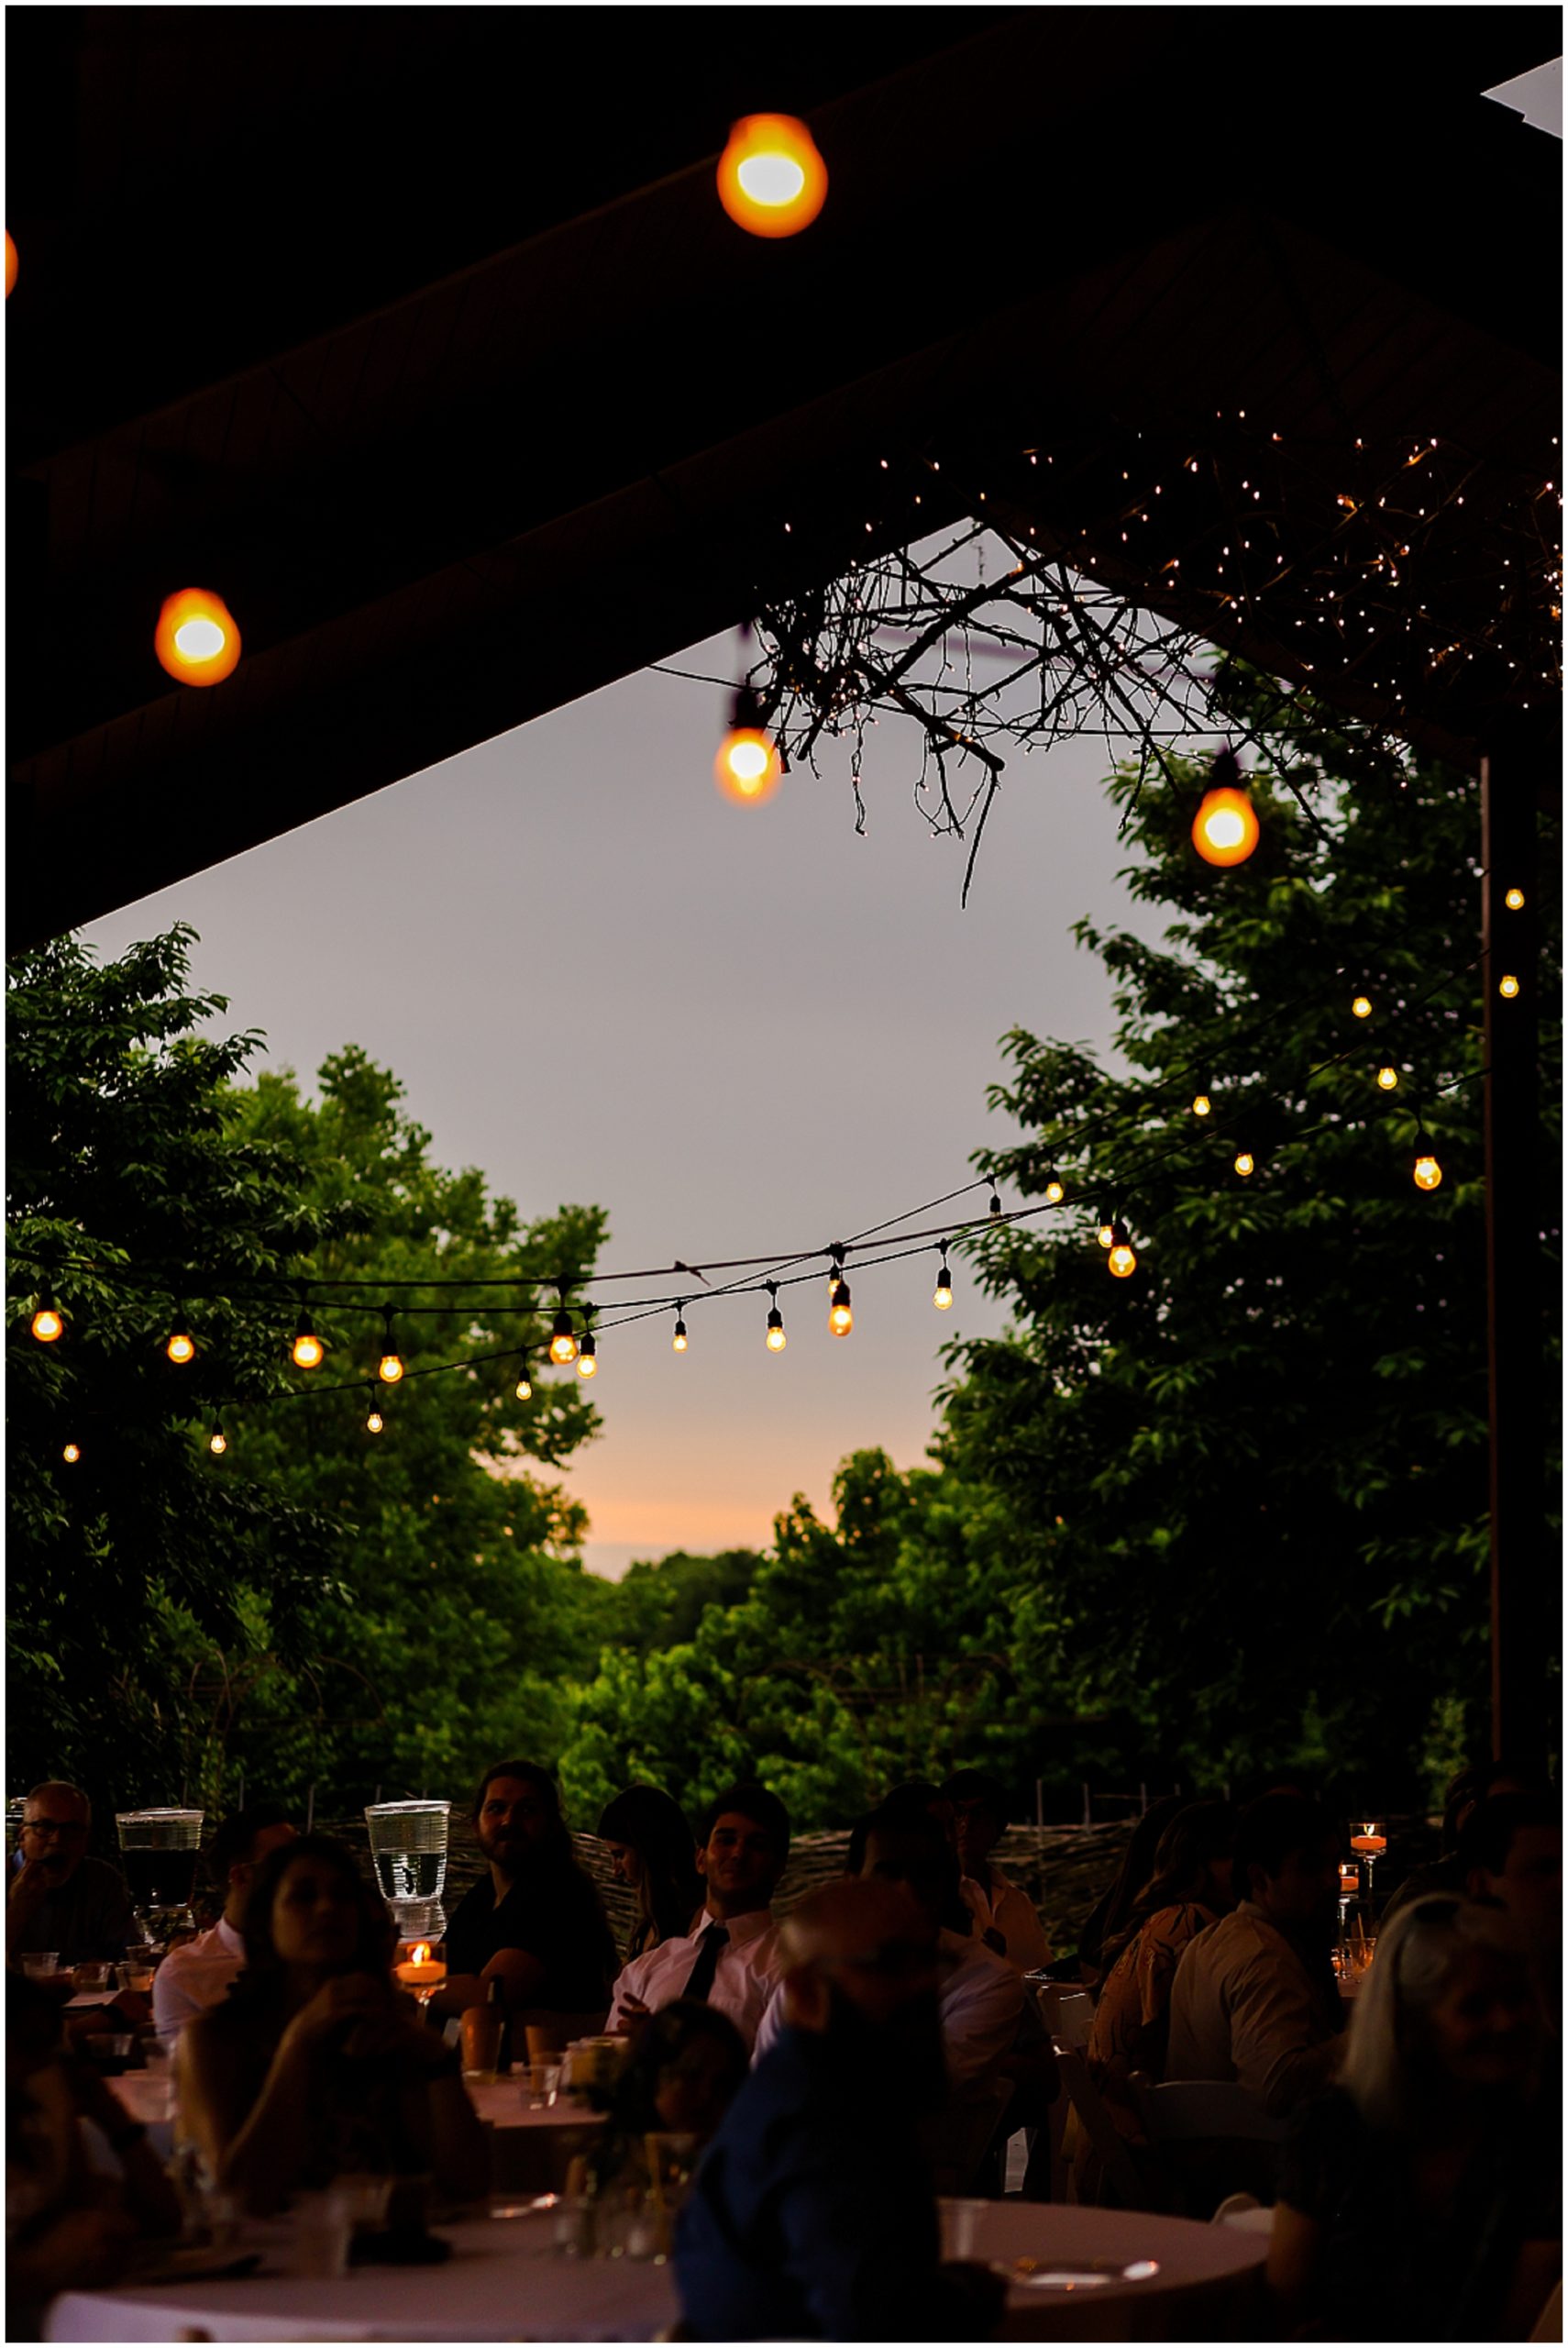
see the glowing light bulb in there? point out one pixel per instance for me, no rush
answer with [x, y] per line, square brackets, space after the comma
[1360, 1008]
[217, 1442]
[1514, 900]
[375, 1421]
[1245, 1162]
[1387, 1077]
[72, 1454]
[307, 1352]
[1508, 987]
[1122, 1259]
[1426, 1173]
[523, 1390]
[1225, 828]
[11, 264]
[776, 1339]
[748, 767]
[389, 1369]
[1201, 1104]
[679, 1341]
[196, 639]
[181, 1347]
[942, 1295]
[841, 1320]
[47, 1324]
[772, 181]
[1053, 1192]
[563, 1343]
[1106, 1235]
[587, 1356]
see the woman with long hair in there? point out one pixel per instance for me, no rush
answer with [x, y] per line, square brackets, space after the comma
[654, 1852]
[315, 2065]
[1190, 1887]
[1108, 1918]
[1420, 2199]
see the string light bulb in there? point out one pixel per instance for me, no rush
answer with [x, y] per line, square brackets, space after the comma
[523, 1390]
[587, 1357]
[1360, 1008]
[374, 1422]
[1387, 1077]
[307, 1352]
[1225, 828]
[1514, 900]
[11, 264]
[995, 1205]
[1244, 1163]
[680, 1342]
[748, 768]
[217, 1442]
[1106, 1233]
[1053, 1192]
[776, 1339]
[389, 1368]
[47, 1324]
[181, 1346]
[196, 640]
[72, 1454]
[1426, 1173]
[1122, 1259]
[1203, 1101]
[772, 181]
[563, 1340]
[841, 1320]
[1507, 987]
[942, 1295]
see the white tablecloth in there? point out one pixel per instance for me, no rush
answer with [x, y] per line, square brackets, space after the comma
[504, 2282]
[505, 2105]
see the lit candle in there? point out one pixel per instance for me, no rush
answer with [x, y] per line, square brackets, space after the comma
[1349, 1882]
[420, 1971]
[1369, 1841]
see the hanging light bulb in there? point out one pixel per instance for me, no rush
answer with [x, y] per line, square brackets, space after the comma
[181, 1346]
[389, 1368]
[995, 1205]
[1245, 1162]
[587, 1356]
[1106, 1232]
[1387, 1077]
[72, 1454]
[217, 1442]
[1053, 1192]
[307, 1352]
[196, 639]
[679, 1341]
[1202, 1103]
[772, 181]
[523, 1390]
[47, 1324]
[1360, 1008]
[1225, 828]
[563, 1343]
[1514, 900]
[841, 1320]
[777, 1340]
[1123, 1262]
[374, 1422]
[1426, 1173]
[942, 1296]
[11, 264]
[1508, 987]
[748, 768]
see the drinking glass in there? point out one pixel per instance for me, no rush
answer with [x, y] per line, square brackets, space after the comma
[157, 1854]
[323, 2223]
[481, 2029]
[960, 2227]
[1369, 1841]
[94, 1975]
[41, 1965]
[544, 2084]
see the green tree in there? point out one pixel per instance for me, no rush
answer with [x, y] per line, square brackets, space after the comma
[122, 1175]
[1246, 1487]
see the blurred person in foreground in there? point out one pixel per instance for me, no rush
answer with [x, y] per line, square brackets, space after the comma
[1510, 1849]
[812, 2216]
[1254, 1997]
[1004, 1915]
[59, 1897]
[1465, 1790]
[196, 1975]
[1189, 1891]
[1421, 2198]
[729, 1955]
[679, 2079]
[652, 1852]
[315, 2065]
[534, 1920]
[66, 2227]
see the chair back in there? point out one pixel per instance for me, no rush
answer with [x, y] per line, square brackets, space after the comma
[958, 2138]
[1180, 2111]
[1117, 2169]
[1067, 2011]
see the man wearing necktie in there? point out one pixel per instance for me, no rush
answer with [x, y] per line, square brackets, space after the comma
[729, 1958]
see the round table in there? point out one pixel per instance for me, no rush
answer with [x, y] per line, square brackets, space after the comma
[531, 2151]
[1204, 2285]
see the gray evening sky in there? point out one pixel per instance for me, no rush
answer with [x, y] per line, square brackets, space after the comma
[740, 1030]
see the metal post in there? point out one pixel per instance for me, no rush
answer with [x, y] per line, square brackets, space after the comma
[1521, 1613]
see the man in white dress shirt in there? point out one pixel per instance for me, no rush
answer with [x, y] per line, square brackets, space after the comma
[197, 1974]
[730, 1958]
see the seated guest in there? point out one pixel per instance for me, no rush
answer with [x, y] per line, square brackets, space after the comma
[535, 1920]
[1421, 2200]
[650, 1848]
[197, 1974]
[1510, 1849]
[315, 2065]
[1470, 1786]
[729, 1957]
[812, 2216]
[60, 1899]
[1255, 1997]
[1004, 1917]
[1109, 1917]
[1189, 1889]
[981, 1999]
[679, 2079]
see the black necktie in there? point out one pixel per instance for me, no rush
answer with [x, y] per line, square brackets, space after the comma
[711, 1945]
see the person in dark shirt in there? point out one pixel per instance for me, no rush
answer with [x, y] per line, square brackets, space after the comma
[1421, 2198]
[535, 1918]
[59, 1897]
[812, 2216]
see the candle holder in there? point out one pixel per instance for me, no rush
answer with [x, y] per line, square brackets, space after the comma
[157, 1854]
[419, 1967]
[408, 1850]
[1350, 1891]
[1369, 1841]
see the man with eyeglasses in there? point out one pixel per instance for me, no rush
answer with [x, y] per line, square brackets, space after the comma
[60, 1899]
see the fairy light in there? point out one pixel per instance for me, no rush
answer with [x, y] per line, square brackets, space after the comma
[1106, 1232]
[1203, 1102]
[1507, 986]
[196, 640]
[375, 1421]
[1387, 1077]
[217, 1442]
[1053, 1192]
[588, 1356]
[307, 1351]
[1360, 1008]
[523, 1390]
[563, 1340]
[1244, 1163]
[1514, 900]
[46, 1324]
[942, 1296]
[389, 1368]
[841, 1320]
[772, 181]
[181, 1346]
[680, 1342]
[72, 1454]
[1426, 1173]
[1123, 1261]
[776, 1339]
